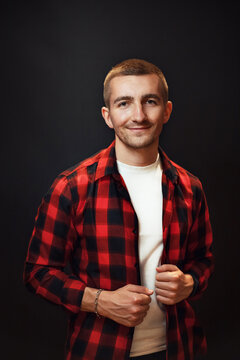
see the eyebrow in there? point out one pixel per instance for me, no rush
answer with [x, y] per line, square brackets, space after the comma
[146, 96]
[154, 96]
[121, 98]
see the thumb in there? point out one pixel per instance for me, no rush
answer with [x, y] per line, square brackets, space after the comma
[167, 267]
[140, 289]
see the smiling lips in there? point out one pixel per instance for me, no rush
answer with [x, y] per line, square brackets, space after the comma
[138, 128]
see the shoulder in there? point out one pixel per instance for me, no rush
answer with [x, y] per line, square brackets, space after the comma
[177, 173]
[85, 167]
[74, 181]
[186, 176]
[190, 185]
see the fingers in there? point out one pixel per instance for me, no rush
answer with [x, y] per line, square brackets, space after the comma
[166, 301]
[141, 299]
[166, 296]
[134, 321]
[165, 285]
[169, 275]
[139, 289]
[127, 305]
[164, 276]
[140, 310]
[140, 294]
[165, 293]
[137, 315]
[167, 267]
[170, 285]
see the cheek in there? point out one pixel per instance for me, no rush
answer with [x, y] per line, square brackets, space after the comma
[158, 118]
[120, 119]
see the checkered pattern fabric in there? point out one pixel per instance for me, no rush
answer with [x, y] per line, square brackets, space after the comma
[87, 220]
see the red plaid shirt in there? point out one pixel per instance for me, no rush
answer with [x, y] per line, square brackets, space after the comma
[87, 220]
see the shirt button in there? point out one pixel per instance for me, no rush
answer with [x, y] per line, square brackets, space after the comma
[134, 231]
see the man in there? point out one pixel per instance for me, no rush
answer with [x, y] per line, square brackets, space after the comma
[134, 227]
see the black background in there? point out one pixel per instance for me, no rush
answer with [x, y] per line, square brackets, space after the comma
[54, 58]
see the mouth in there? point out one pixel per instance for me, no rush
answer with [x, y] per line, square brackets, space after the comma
[139, 128]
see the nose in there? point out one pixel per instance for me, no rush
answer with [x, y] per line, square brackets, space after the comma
[138, 114]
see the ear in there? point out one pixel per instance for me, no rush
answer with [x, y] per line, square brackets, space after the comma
[167, 111]
[106, 116]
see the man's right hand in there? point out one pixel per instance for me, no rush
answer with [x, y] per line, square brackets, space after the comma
[127, 305]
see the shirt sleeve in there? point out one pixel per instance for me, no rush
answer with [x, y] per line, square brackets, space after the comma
[50, 249]
[199, 259]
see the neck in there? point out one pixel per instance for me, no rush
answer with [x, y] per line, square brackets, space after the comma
[136, 157]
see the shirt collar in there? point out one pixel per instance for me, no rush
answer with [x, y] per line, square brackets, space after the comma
[168, 166]
[107, 164]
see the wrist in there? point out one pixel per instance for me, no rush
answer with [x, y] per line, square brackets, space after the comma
[189, 283]
[98, 293]
[195, 283]
[88, 299]
[103, 303]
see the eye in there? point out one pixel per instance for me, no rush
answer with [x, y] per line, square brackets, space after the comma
[122, 104]
[151, 102]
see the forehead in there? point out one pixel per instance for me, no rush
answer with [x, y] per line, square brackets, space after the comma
[134, 85]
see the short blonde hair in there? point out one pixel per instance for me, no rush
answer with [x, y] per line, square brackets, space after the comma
[134, 67]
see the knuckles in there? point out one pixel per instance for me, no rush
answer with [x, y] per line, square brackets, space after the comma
[141, 299]
[174, 287]
[135, 310]
[137, 321]
[135, 300]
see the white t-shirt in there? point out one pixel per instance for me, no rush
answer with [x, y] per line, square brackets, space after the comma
[144, 184]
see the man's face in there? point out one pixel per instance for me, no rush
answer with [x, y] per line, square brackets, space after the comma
[137, 112]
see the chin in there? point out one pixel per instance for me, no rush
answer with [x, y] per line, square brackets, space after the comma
[140, 144]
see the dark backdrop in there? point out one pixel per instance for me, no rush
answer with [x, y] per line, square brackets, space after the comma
[54, 57]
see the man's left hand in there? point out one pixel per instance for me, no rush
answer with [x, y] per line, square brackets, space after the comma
[172, 285]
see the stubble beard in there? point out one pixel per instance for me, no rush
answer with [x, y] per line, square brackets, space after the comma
[134, 141]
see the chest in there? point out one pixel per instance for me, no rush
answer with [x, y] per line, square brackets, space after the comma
[108, 229]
